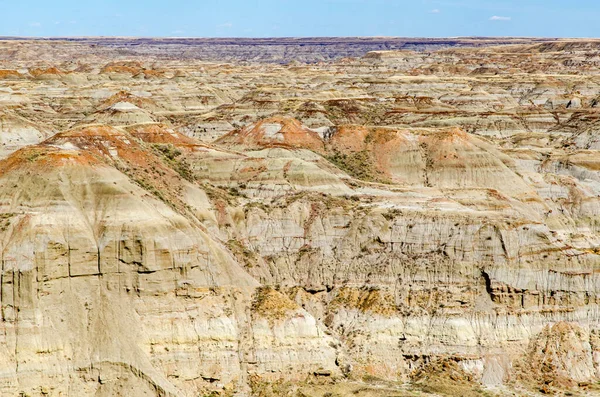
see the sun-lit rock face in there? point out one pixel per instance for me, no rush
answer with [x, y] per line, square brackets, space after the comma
[94, 255]
[407, 222]
[17, 132]
[275, 132]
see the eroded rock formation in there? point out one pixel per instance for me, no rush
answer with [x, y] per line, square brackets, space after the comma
[404, 222]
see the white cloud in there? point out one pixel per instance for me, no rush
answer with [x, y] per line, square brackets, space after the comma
[226, 25]
[178, 31]
[435, 11]
[35, 24]
[499, 18]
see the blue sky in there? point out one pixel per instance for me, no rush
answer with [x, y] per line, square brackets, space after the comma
[279, 18]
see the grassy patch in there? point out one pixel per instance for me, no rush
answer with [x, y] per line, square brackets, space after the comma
[358, 165]
[244, 255]
[272, 304]
[172, 156]
[372, 300]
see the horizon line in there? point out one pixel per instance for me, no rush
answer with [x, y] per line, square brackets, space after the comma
[12, 37]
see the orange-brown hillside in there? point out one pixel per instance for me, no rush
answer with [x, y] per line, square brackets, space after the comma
[275, 132]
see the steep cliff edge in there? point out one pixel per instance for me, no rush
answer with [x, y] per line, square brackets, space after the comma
[109, 286]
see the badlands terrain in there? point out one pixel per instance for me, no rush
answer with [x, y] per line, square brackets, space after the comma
[364, 217]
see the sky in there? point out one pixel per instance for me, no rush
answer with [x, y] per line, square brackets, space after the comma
[300, 18]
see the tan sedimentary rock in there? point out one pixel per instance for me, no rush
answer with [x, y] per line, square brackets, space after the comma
[17, 132]
[406, 222]
[77, 229]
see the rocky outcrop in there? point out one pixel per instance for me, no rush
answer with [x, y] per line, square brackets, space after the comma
[404, 223]
[17, 132]
[94, 267]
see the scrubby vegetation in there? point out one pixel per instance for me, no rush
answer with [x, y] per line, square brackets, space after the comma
[246, 256]
[445, 377]
[272, 304]
[357, 164]
[372, 300]
[173, 158]
[5, 220]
